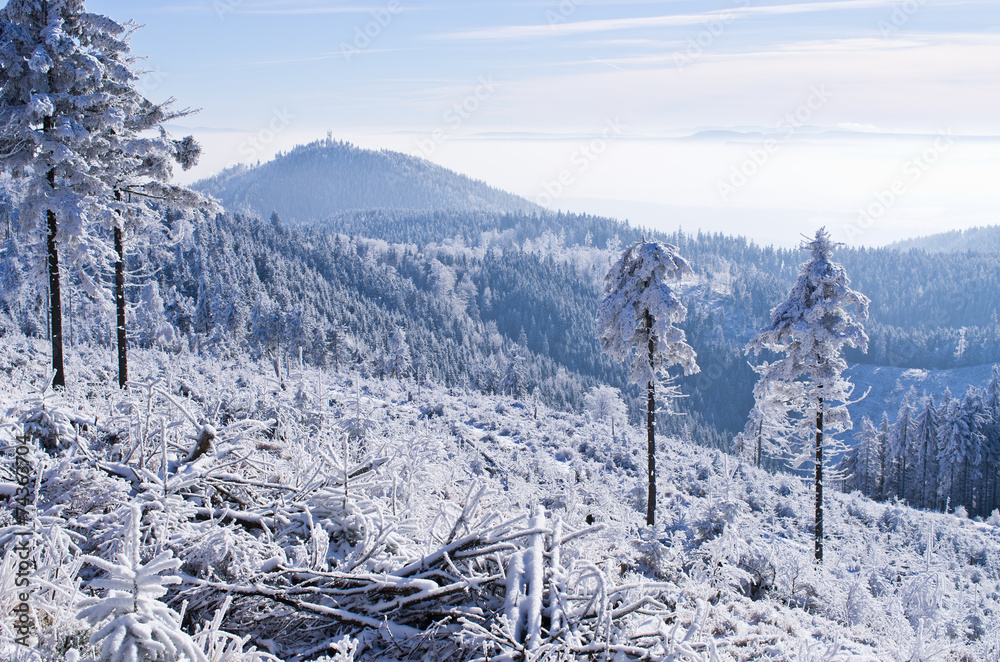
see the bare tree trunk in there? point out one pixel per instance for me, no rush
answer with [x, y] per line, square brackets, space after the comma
[760, 441]
[650, 432]
[819, 482]
[120, 303]
[55, 298]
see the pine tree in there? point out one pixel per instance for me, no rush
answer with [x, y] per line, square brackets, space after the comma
[882, 456]
[513, 377]
[810, 328]
[925, 456]
[861, 465]
[991, 444]
[637, 316]
[70, 125]
[133, 624]
[767, 430]
[898, 448]
[397, 362]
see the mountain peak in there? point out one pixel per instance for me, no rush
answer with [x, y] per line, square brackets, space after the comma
[315, 181]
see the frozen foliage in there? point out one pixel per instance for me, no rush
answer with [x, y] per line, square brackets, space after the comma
[133, 624]
[478, 532]
[810, 329]
[636, 318]
[605, 403]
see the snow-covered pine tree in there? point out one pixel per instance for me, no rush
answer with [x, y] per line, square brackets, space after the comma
[991, 447]
[925, 445]
[46, 78]
[397, 360]
[513, 376]
[898, 449]
[958, 450]
[860, 464]
[70, 119]
[810, 328]
[767, 430]
[133, 624]
[882, 457]
[636, 320]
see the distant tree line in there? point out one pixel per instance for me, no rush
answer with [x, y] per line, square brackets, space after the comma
[940, 455]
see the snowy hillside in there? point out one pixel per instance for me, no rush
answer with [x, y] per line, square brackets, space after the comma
[364, 519]
[316, 181]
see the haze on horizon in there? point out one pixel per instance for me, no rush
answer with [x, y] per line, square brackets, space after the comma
[875, 118]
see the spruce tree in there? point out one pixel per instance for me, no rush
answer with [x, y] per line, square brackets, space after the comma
[810, 329]
[72, 125]
[636, 320]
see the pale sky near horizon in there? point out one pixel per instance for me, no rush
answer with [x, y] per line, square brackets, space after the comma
[878, 119]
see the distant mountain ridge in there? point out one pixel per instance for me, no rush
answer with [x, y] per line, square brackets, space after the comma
[322, 179]
[978, 239]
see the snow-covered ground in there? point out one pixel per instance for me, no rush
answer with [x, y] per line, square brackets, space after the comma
[349, 518]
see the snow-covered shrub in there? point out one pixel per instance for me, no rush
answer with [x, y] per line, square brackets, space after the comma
[134, 626]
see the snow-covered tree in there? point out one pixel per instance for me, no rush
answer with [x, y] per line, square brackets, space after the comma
[925, 444]
[70, 125]
[767, 430]
[513, 376]
[899, 449]
[636, 320]
[861, 463]
[397, 360]
[810, 329]
[958, 450]
[134, 626]
[882, 457]
[605, 403]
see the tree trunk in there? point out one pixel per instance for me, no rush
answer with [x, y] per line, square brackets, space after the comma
[760, 441]
[55, 298]
[819, 483]
[120, 304]
[650, 432]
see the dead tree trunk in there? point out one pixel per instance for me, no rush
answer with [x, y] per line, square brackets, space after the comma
[120, 302]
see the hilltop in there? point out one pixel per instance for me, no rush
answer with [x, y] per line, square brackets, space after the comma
[314, 182]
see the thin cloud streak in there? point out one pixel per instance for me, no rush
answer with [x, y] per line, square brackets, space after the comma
[517, 32]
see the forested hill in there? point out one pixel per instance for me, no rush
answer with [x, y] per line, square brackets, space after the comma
[316, 181]
[984, 239]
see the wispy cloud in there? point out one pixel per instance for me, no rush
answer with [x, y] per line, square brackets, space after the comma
[515, 32]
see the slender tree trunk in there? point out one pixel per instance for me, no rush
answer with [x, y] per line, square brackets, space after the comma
[760, 441]
[650, 432]
[55, 298]
[120, 303]
[819, 482]
[923, 487]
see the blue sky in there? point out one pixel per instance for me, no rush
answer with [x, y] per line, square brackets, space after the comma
[879, 119]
